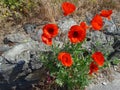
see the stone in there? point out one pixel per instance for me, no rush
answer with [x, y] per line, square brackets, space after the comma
[25, 55]
[88, 18]
[104, 83]
[98, 41]
[12, 73]
[114, 55]
[5, 71]
[116, 46]
[109, 26]
[29, 28]
[16, 38]
[65, 24]
[4, 48]
[34, 63]
[13, 54]
[1, 58]
[37, 35]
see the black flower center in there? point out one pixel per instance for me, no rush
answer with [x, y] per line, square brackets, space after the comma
[51, 30]
[75, 34]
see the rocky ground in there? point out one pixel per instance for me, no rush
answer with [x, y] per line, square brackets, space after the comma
[20, 64]
[109, 82]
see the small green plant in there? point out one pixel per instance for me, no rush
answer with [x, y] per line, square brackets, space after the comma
[17, 8]
[17, 4]
[12, 4]
[75, 77]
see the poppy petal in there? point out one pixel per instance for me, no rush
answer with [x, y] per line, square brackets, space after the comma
[51, 30]
[68, 8]
[65, 59]
[76, 34]
[83, 25]
[106, 13]
[97, 22]
[98, 58]
[93, 68]
[46, 40]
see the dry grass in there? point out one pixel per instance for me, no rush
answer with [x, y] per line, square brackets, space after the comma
[50, 10]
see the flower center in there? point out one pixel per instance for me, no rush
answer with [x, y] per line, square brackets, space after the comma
[51, 30]
[66, 59]
[75, 34]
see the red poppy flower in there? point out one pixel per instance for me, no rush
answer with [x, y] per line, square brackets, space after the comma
[68, 8]
[97, 22]
[106, 13]
[83, 25]
[65, 58]
[46, 40]
[93, 68]
[76, 34]
[51, 30]
[98, 58]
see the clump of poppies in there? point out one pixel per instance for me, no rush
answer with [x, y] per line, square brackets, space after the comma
[69, 65]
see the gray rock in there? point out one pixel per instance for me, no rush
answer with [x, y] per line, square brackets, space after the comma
[13, 54]
[88, 18]
[65, 24]
[1, 58]
[104, 83]
[99, 41]
[34, 63]
[109, 26]
[116, 46]
[6, 70]
[10, 73]
[116, 19]
[4, 48]
[37, 75]
[16, 38]
[29, 28]
[25, 55]
[37, 36]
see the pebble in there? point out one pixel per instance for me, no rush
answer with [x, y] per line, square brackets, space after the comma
[104, 83]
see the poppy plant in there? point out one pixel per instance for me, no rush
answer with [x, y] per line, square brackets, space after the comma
[98, 58]
[68, 8]
[50, 30]
[46, 40]
[106, 13]
[93, 68]
[97, 22]
[83, 25]
[76, 34]
[65, 59]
